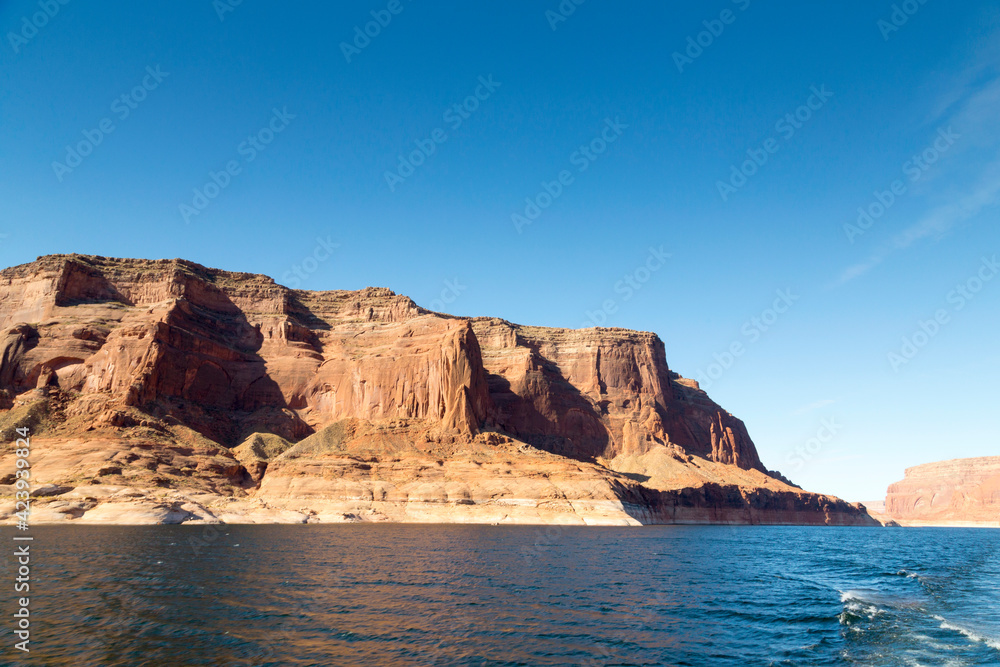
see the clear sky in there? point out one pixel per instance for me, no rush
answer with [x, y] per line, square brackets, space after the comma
[120, 121]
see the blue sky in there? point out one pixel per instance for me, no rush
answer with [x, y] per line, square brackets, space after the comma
[833, 100]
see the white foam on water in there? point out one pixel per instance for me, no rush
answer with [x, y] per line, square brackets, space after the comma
[931, 642]
[915, 662]
[861, 598]
[857, 595]
[992, 642]
[858, 602]
[934, 657]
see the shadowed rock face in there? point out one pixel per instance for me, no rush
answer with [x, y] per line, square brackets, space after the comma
[956, 491]
[149, 354]
[602, 393]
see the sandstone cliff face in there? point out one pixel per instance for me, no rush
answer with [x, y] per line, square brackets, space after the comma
[152, 372]
[225, 352]
[950, 492]
[602, 393]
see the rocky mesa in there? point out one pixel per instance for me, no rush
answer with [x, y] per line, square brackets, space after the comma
[162, 391]
[960, 492]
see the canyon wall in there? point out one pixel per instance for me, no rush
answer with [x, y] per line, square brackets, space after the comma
[602, 393]
[956, 492]
[168, 385]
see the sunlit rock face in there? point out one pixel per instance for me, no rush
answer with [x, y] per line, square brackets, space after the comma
[956, 491]
[148, 376]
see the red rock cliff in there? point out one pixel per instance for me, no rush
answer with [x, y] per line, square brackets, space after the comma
[956, 491]
[602, 393]
[227, 352]
[146, 375]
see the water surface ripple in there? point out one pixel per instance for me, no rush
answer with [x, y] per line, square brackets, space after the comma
[499, 595]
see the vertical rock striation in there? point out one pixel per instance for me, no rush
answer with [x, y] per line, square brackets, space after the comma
[602, 393]
[145, 376]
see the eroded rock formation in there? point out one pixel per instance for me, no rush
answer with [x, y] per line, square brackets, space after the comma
[182, 390]
[959, 491]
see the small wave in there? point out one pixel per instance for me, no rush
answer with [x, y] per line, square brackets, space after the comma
[882, 599]
[847, 596]
[857, 604]
[861, 596]
[933, 643]
[971, 634]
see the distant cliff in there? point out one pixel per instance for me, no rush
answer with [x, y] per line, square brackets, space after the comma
[950, 492]
[167, 391]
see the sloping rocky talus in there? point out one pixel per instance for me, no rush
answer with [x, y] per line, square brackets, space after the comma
[956, 492]
[164, 391]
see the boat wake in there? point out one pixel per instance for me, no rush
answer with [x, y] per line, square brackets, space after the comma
[858, 604]
[992, 642]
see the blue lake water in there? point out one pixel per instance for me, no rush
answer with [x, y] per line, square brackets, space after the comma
[497, 595]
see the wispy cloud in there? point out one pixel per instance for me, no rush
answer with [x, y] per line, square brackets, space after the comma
[971, 107]
[858, 270]
[952, 93]
[935, 223]
[941, 219]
